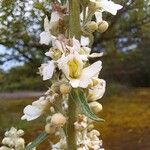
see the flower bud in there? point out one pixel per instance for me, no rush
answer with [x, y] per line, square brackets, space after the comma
[92, 26]
[58, 120]
[20, 132]
[65, 88]
[19, 144]
[102, 26]
[96, 107]
[5, 148]
[8, 141]
[50, 129]
[90, 127]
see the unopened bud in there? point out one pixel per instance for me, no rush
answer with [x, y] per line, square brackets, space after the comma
[96, 107]
[58, 120]
[102, 26]
[65, 88]
[92, 26]
[90, 127]
[50, 129]
[19, 144]
[5, 148]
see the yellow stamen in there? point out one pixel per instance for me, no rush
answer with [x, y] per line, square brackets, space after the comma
[74, 69]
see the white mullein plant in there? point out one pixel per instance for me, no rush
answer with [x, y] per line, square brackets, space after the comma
[74, 80]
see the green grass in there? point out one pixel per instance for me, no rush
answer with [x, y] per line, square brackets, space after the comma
[127, 116]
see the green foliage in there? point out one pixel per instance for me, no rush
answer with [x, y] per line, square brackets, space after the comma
[80, 99]
[37, 141]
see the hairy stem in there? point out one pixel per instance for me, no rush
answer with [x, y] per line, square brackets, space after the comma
[74, 18]
[74, 31]
[71, 134]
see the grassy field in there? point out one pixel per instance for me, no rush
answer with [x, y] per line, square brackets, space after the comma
[127, 116]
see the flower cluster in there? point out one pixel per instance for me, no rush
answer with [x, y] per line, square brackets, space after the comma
[13, 140]
[72, 76]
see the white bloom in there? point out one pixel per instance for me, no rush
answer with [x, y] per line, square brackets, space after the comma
[107, 5]
[85, 41]
[97, 90]
[45, 36]
[98, 16]
[55, 16]
[35, 110]
[72, 67]
[47, 69]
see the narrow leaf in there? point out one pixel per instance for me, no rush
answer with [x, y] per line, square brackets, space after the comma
[42, 136]
[79, 97]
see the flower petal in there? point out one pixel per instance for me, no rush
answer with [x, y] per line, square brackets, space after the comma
[45, 38]
[85, 41]
[95, 55]
[54, 16]
[47, 70]
[89, 72]
[98, 16]
[110, 6]
[31, 113]
[74, 83]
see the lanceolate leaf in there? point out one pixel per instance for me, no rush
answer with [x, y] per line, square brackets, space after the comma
[37, 141]
[79, 97]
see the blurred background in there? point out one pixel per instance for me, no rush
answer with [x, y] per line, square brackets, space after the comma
[126, 68]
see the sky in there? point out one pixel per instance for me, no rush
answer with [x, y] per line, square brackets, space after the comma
[8, 65]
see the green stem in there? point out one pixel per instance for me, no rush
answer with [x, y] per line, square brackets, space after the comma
[74, 31]
[74, 18]
[71, 134]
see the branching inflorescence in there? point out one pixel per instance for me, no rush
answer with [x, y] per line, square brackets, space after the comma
[70, 103]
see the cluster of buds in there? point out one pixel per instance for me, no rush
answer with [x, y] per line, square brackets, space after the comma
[13, 140]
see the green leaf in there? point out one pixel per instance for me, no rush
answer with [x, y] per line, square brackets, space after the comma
[42, 136]
[63, 1]
[79, 97]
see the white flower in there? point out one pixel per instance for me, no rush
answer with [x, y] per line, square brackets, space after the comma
[47, 69]
[46, 37]
[107, 5]
[97, 90]
[35, 110]
[72, 67]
